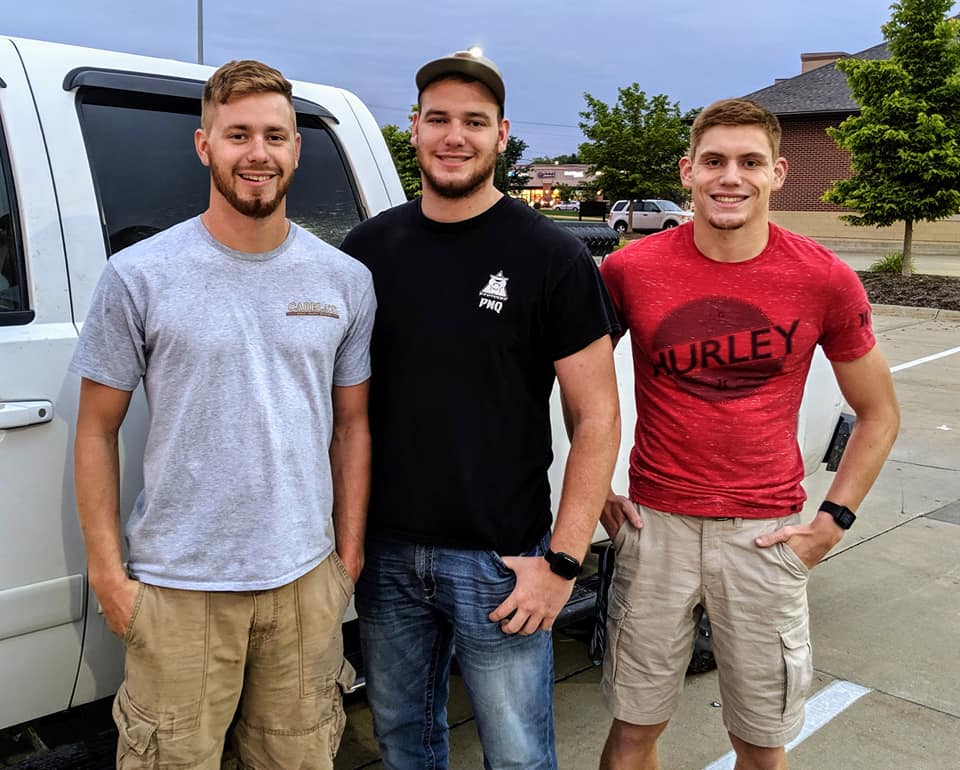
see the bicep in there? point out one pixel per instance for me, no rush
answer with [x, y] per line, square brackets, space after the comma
[102, 407]
[587, 379]
[866, 384]
[350, 404]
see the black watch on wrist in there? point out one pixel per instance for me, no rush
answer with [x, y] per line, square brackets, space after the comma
[563, 564]
[841, 514]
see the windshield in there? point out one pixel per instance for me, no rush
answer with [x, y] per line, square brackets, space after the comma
[668, 206]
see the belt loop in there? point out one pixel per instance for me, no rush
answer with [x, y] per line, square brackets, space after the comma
[737, 522]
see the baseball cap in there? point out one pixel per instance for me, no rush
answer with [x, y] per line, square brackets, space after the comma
[467, 63]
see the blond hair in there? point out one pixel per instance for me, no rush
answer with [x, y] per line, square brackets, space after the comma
[241, 78]
[736, 112]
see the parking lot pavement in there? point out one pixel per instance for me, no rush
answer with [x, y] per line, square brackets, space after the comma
[884, 612]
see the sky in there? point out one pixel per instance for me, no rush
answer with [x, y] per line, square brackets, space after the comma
[550, 53]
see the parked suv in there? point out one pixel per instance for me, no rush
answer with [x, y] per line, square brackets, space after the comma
[648, 214]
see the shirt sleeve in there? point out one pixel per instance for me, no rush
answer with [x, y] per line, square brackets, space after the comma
[579, 310]
[848, 328]
[111, 349]
[352, 364]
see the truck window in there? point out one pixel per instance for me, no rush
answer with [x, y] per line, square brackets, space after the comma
[148, 176]
[12, 293]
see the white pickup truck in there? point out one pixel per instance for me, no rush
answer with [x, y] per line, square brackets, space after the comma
[96, 152]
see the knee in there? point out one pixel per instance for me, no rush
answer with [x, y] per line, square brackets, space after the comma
[635, 738]
[753, 757]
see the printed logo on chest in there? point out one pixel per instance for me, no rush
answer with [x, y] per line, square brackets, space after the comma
[494, 293]
[324, 309]
[721, 348]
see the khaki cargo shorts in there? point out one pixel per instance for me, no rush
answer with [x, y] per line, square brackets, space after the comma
[757, 602]
[274, 658]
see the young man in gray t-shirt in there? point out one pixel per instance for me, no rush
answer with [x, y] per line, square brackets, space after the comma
[251, 338]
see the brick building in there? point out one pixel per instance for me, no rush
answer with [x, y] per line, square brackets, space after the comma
[806, 106]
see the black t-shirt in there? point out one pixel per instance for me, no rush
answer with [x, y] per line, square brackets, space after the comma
[470, 318]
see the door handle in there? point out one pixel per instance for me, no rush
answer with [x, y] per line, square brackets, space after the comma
[19, 414]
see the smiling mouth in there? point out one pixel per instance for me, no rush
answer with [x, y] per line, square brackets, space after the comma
[256, 177]
[729, 198]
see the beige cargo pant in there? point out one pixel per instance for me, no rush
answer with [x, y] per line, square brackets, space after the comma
[193, 657]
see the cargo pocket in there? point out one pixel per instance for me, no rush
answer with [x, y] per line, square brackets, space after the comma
[798, 666]
[331, 730]
[617, 610]
[137, 734]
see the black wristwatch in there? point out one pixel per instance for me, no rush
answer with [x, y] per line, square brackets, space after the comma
[841, 514]
[563, 564]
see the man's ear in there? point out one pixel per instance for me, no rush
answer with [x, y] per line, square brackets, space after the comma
[415, 128]
[503, 133]
[201, 144]
[779, 173]
[686, 171]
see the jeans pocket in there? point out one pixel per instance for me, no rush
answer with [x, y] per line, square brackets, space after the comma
[798, 664]
[136, 742]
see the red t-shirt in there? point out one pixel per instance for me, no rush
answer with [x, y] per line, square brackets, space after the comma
[721, 353]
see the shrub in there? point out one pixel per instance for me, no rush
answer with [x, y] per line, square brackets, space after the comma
[888, 263]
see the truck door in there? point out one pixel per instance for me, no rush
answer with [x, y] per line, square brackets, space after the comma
[41, 553]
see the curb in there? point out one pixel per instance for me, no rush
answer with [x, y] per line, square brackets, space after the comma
[923, 313]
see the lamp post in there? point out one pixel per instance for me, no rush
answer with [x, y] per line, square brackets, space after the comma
[199, 31]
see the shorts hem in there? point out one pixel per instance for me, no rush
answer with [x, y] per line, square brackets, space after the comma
[632, 716]
[766, 740]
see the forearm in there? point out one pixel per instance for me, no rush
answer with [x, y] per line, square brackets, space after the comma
[97, 485]
[350, 467]
[594, 443]
[863, 458]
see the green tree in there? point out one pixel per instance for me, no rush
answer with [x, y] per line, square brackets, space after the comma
[634, 145]
[404, 158]
[905, 144]
[509, 175]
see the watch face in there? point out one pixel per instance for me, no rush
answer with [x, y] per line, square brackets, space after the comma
[563, 565]
[845, 518]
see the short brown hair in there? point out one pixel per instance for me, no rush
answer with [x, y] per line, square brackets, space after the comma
[736, 112]
[242, 78]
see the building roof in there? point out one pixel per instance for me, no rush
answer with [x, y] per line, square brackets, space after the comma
[821, 90]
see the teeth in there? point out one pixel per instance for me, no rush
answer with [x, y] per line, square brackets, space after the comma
[253, 178]
[728, 198]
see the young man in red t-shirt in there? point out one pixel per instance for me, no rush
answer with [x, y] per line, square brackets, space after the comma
[724, 315]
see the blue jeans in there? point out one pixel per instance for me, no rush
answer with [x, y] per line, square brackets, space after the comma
[416, 604]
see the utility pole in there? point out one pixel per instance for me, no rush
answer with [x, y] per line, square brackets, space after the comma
[199, 31]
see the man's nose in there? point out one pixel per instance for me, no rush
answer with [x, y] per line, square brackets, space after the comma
[257, 151]
[730, 172]
[454, 133]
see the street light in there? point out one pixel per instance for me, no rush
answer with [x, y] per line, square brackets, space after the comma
[199, 31]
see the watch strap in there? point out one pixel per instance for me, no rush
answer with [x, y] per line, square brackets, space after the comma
[841, 514]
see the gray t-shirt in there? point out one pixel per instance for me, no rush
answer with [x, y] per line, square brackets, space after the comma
[238, 354]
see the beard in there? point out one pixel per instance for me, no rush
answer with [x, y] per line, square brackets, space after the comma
[459, 188]
[257, 207]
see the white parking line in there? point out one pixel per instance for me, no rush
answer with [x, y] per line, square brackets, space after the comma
[925, 359]
[820, 709]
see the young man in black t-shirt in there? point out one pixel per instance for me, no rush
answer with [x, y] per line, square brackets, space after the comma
[482, 303]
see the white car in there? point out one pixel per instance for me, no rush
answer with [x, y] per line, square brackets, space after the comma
[648, 215]
[567, 206]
